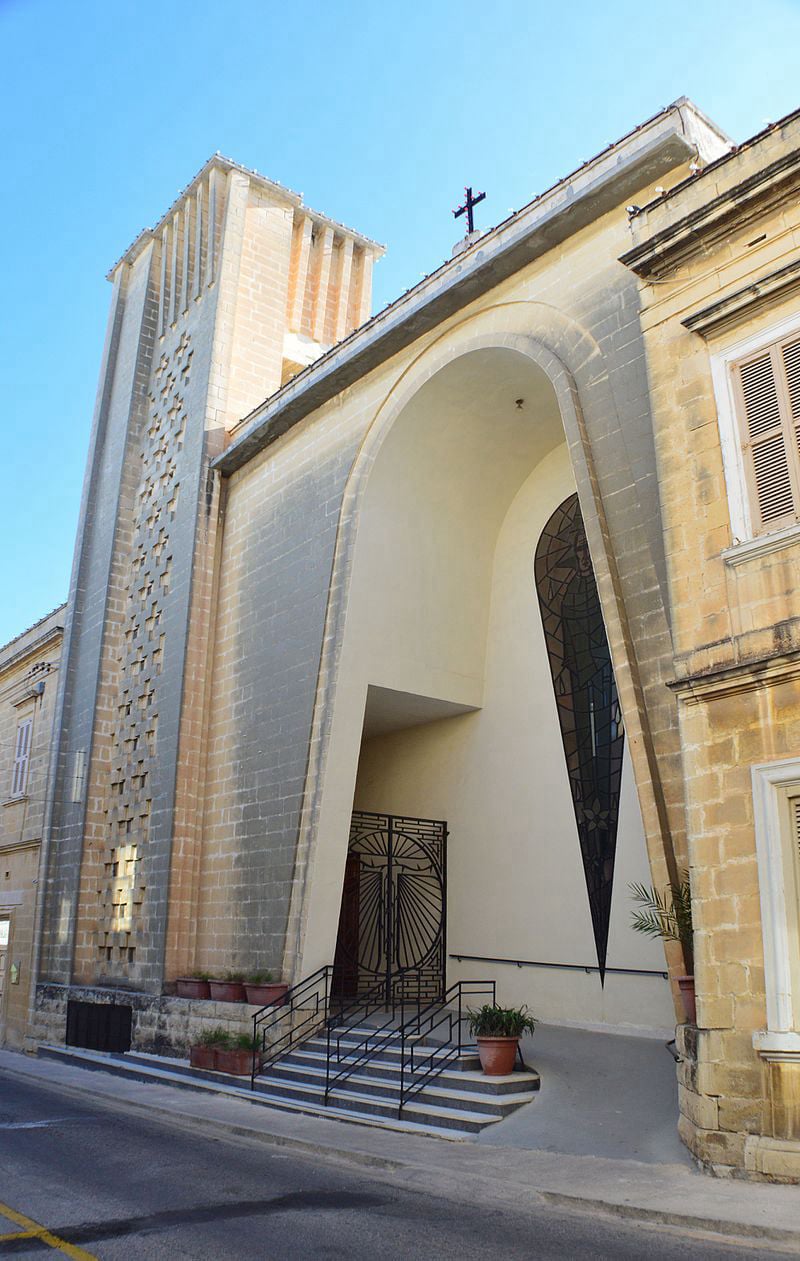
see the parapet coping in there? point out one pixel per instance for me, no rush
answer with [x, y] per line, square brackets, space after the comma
[647, 153]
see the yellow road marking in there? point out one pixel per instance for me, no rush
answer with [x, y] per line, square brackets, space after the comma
[33, 1230]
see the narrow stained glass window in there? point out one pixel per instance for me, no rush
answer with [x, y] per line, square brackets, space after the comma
[586, 700]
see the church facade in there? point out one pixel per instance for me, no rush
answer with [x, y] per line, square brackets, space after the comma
[486, 613]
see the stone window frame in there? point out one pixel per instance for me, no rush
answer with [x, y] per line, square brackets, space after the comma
[773, 788]
[747, 539]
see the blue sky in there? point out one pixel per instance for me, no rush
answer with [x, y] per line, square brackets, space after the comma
[378, 113]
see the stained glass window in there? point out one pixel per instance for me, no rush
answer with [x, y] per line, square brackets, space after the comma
[586, 700]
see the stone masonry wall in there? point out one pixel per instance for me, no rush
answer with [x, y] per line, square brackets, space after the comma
[736, 626]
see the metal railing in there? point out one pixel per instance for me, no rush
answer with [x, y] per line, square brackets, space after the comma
[421, 1065]
[280, 1027]
[307, 1006]
[359, 1008]
[302, 1011]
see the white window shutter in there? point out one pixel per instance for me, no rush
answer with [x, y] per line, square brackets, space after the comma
[21, 757]
[764, 441]
[790, 353]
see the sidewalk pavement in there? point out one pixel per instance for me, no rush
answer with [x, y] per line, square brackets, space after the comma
[670, 1193]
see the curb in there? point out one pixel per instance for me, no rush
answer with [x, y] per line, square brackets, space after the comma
[501, 1190]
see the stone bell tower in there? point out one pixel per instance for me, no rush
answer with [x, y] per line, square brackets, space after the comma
[236, 290]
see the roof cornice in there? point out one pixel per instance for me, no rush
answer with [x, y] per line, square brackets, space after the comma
[671, 231]
[663, 143]
[31, 648]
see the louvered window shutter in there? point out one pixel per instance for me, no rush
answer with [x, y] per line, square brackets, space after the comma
[769, 386]
[21, 756]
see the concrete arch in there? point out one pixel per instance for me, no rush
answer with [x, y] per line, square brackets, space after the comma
[574, 366]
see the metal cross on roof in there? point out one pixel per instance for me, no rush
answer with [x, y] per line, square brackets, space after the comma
[469, 204]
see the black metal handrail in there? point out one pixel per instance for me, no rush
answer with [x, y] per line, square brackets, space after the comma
[424, 1024]
[369, 1001]
[567, 967]
[310, 996]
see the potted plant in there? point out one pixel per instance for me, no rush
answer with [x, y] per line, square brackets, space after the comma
[263, 991]
[194, 986]
[228, 989]
[203, 1054]
[668, 915]
[236, 1057]
[497, 1030]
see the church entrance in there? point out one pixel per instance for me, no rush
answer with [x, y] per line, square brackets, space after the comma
[475, 684]
[393, 916]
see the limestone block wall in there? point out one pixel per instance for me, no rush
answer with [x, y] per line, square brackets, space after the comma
[161, 1024]
[29, 668]
[711, 280]
[196, 339]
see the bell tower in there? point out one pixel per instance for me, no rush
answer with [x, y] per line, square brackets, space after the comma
[236, 289]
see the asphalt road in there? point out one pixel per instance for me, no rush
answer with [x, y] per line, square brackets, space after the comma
[109, 1184]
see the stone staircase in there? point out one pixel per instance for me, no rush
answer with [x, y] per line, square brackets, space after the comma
[457, 1103]
[459, 1099]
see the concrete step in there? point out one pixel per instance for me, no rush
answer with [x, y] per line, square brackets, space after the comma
[452, 1077]
[494, 1097]
[135, 1067]
[450, 1113]
[390, 1051]
[449, 1092]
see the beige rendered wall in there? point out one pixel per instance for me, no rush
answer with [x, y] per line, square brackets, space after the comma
[442, 605]
[516, 887]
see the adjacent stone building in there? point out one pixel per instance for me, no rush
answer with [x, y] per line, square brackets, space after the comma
[720, 270]
[28, 682]
[487, 612]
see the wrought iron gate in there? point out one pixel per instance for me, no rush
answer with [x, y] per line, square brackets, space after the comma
[392, 923]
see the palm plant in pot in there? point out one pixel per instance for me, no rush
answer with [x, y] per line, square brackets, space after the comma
[497, 1030]
[668, 915]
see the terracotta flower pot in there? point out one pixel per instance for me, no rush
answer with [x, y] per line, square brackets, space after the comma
[203, 1056]
[239, 1063]
[272, 993]
[497, 1055]
[227, 991]
[191, 987]
[686, 987]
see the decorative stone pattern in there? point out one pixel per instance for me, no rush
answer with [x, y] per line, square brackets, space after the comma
[141, 661]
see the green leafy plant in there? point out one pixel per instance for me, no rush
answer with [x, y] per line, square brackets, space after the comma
[246, 1042]
[491, 1021]
[264, 977]
[234, 978]
[200, 976]
[214, 1037]
[666, 914]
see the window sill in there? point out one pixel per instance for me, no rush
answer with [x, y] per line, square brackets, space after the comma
[778, 1046]
[763, 545]
[14, 801]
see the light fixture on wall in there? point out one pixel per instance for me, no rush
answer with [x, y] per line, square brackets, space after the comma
[520, 402]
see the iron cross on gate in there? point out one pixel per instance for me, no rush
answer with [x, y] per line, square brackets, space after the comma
[470, 203]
